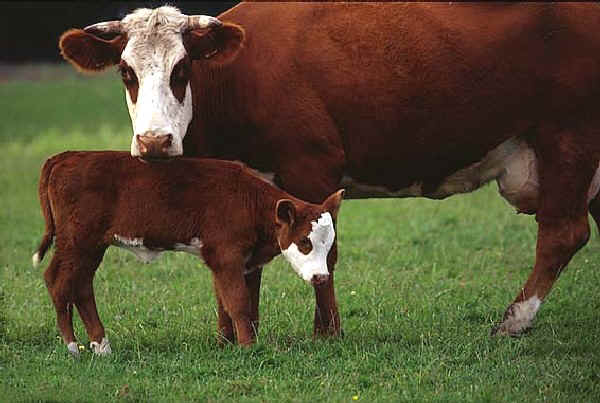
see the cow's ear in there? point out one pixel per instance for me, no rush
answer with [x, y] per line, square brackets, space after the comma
[285, 212]
[219, 45]
[90, 53]
[332, 203]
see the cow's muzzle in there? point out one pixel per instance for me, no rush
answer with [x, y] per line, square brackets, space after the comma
[319, 279]
[154, 146]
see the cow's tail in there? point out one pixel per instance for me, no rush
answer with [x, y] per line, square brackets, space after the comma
[48, 237]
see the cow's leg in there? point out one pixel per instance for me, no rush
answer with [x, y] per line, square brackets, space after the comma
[59, 281]
[231, 288]
[253, 284]
[85, 302]
[314, 180]
[565, 170]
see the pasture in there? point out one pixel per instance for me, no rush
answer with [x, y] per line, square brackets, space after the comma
[419, 284]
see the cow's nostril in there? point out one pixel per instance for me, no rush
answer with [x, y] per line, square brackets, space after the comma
[154, 146]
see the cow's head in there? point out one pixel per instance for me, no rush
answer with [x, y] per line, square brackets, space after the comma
[306, 233]
[154, 49]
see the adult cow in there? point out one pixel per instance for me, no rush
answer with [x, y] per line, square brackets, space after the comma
[394, 99]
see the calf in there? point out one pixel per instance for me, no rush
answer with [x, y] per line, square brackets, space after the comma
[218, 210]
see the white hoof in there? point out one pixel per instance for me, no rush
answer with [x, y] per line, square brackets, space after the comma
[73, 349]
[518, 317]
[102, 348]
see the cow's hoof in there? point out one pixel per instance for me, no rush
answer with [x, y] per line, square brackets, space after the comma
[517, 321]
[73, 349]
[328, 332]
[102, 348]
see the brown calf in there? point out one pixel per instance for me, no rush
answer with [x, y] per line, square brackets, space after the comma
[218, 210]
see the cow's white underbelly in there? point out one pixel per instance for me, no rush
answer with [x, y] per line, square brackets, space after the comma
[513, 164]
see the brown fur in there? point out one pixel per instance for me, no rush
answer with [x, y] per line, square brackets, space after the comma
[393, 94]
[89, 198]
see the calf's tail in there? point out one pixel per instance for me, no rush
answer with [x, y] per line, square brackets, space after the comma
[46, 207]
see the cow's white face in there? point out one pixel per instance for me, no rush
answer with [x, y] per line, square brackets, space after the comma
[149, 68]
[155, 69]
[154, 49]
[311, 262]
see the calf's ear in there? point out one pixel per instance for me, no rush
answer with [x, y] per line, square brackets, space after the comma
[333, 202]
[88, 52]
[285, 212]
[219, 45]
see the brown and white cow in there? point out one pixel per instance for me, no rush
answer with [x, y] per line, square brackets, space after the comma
[218, 210]
[385, 99]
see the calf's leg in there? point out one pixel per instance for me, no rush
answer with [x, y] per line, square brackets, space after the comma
[86, 306]
[59, 282]
[253, 284]
[565, 170]
[232, 291]
[224, 322]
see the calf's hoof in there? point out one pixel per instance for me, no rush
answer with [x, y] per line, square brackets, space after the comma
[73, 349]
[102, 348]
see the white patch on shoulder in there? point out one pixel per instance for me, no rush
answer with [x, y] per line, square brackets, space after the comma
[194, 247]
[102, 348]
[136, 246]
[321, 237]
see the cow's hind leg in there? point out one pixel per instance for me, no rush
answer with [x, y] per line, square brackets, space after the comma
[565, 170]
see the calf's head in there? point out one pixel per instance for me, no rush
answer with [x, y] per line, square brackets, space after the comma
[305, 234]
[154, 50]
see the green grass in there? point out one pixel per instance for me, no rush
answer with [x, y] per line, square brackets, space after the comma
[419, 284]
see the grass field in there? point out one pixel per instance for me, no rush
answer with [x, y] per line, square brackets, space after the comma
[419, 284]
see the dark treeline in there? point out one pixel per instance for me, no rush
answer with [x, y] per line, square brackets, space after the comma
[29, 30]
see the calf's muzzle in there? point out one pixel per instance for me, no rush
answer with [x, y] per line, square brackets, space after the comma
[319, 279]
[154, 146]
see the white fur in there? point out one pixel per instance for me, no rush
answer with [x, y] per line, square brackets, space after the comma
[102, 348]
[194, 247]
[153, 48]
[315, 262]
[522, 316]
[36, 259]
[73, 349]
[136, 246]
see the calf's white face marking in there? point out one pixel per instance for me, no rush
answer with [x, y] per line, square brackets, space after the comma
[153, 48]
[315, 262]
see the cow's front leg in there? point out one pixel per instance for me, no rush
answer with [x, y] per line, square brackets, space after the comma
[327, 317]
[313, 181]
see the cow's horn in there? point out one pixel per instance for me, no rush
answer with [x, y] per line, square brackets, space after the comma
[202, 22]
[107, 27]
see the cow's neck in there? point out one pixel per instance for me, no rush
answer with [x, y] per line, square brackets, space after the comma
[220, 125]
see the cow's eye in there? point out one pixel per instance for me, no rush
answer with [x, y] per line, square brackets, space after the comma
[127, 74]
[180, 72]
